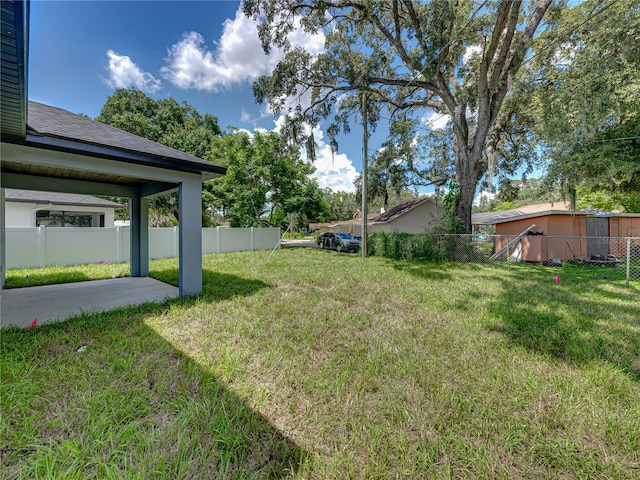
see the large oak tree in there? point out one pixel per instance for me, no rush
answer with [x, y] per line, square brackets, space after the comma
[409, 56]
[586, 99]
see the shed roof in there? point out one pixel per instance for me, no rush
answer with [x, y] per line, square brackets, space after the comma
[401, 209]
[492, 218]
[32, 196]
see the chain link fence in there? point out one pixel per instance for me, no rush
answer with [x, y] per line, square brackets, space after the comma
[619, 256]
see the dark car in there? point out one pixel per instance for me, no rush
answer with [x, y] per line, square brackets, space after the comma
[340, 241]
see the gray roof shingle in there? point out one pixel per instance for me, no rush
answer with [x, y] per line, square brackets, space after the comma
[401, 209]
[56, 123]
[32, 196]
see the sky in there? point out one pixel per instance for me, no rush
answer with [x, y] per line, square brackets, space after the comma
[206, 53]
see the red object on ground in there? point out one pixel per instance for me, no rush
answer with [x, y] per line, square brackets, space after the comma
[557, 280]
[34, 323]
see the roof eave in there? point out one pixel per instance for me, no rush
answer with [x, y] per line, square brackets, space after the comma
[111, 153]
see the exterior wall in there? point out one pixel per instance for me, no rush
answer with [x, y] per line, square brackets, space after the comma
[352, 228]
[20, 215]
[622, 227]
[416, 220]
[540, 248]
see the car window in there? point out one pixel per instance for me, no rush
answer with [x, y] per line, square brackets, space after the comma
[343, 235]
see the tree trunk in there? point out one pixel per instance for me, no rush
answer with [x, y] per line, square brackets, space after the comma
[469, 171]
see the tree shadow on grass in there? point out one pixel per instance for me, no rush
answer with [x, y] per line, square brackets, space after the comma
[531, 311]
[107, 396]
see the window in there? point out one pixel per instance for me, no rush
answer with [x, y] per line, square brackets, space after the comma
[57, 218]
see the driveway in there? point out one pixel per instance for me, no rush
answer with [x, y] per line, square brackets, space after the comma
[309, 243]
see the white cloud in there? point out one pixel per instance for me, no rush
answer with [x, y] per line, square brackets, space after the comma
[483, 194]
[334, 171]
[123, 73]
[238, 57]
[435, 121]
[471, 53]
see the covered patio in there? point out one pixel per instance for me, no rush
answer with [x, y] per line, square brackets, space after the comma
[59, 302]
[49, 149]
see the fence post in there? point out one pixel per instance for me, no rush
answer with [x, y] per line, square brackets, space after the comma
[176, 242]
[118, 253]
[252, 240]
[217, 239]
[628, 260]
[42, 246]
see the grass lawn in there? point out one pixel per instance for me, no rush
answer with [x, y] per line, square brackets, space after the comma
[322, 365]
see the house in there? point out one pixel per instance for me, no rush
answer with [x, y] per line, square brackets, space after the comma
[414, 216]
[410, 217]
[353, 227]
[45, 148]
[560, 234]
[29, 208]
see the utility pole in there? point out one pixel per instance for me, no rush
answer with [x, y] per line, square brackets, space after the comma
[365, 160]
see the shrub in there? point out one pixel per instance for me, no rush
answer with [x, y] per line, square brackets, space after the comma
[403, 246]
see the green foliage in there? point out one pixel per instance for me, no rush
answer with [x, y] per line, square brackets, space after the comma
[449, 222]
[165, 121]
[607, 201]
[342, 205]
[587, 99]
[411, 58]
[267, 182]
[169, 123]
[516, 193]
[403, 246]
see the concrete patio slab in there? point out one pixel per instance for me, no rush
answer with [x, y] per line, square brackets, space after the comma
[50, 303]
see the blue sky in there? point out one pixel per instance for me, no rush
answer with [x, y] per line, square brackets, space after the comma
[204, 52]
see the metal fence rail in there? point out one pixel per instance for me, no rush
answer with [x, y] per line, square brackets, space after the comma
[619, 255]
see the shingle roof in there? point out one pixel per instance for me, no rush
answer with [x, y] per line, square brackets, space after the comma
[52, 122]
[32, 196]
[401, 209]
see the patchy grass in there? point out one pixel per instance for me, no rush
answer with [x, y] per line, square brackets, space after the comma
[322, 365]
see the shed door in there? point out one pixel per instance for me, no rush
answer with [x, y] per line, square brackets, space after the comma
[597, 236]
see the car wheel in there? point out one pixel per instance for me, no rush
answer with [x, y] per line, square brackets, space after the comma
[339, 247]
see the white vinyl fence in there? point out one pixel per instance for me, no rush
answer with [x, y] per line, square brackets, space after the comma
[44, 247]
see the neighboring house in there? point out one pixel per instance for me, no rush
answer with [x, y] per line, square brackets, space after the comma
[29, 208]
[353, 227]
[410, 217]
[566, 228]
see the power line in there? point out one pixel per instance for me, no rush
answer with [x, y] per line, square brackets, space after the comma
[617, 139]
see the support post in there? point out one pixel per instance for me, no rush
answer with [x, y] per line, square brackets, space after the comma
[190, 198]
[365, 160]
[139, 236]
[628, 260]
